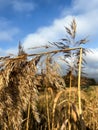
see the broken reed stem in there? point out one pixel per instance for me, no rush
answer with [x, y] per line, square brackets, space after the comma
[37, 54]
[28, 115]
[79, 79]
[55, 51]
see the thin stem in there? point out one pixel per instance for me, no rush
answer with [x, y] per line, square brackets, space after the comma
[70, 85]
[79, 80]
[27, 124]
[47, 103]
[54, 107]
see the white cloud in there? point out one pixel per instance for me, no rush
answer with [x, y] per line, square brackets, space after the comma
[23, 6]
[2, 52]
[45, 34]
[83, 6]
[8, 34]
[86, 25]
[7, 31]
[12, 51]
[92, 64]
[92, 57]
[8, 52]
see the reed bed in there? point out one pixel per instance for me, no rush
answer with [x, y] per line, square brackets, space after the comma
[38, 99]
[32, 101]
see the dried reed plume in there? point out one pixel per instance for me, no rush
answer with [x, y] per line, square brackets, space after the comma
[17, 90]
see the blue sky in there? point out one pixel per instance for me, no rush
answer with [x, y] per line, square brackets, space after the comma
[35, 22]
[18, 18]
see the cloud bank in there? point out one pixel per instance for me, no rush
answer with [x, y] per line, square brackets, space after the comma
[86, 24]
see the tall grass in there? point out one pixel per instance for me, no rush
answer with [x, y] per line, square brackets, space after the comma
[30, 100]
[19, 97]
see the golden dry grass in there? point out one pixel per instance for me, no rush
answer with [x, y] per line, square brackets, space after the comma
[17, 90]
[19, 83]
[29, 101]
[58, 109]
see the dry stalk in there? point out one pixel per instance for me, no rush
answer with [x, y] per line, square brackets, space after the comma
[28, 115]
[47, 106]
[70, 85]
[54, 106]
[79, 87]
